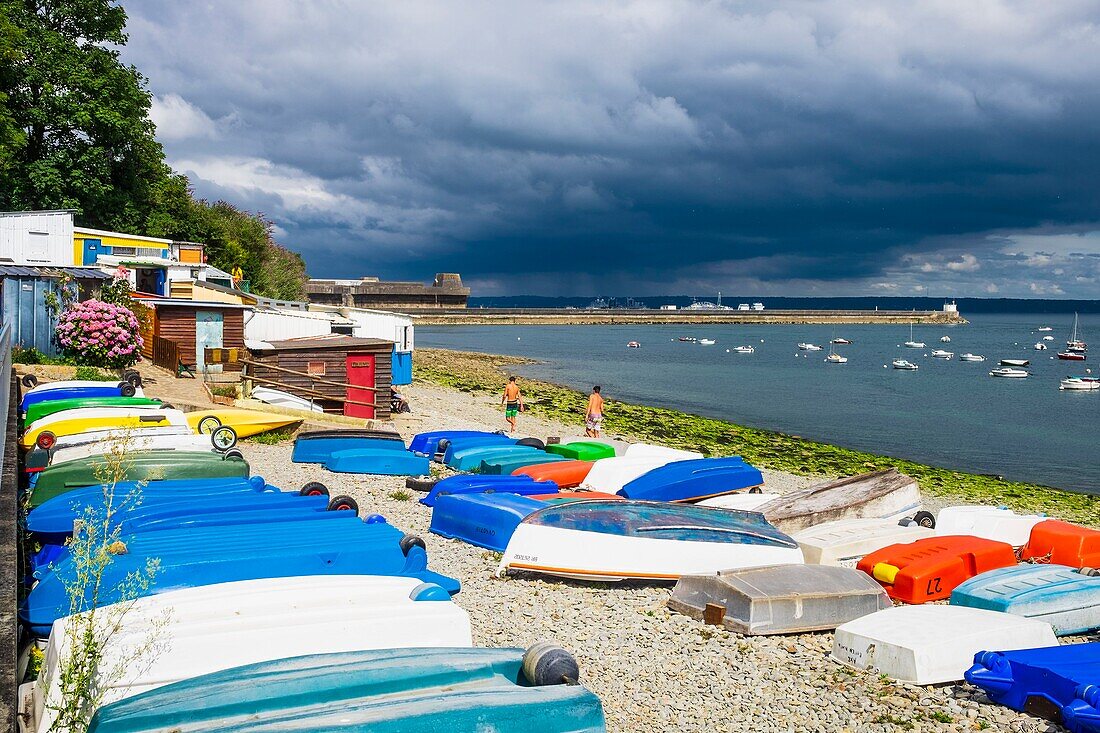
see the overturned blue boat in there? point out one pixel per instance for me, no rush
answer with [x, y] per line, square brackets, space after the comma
[485, 520]
[53, 521]
[388, 691]
[197, 556]
[693, 480]
[506, 465]
[468, 459]
[428, 443]
[122, 389]
[317, 445]
[482, 484]
[378, 462]
[477, 441]
[1064, 597]
[1060, 683]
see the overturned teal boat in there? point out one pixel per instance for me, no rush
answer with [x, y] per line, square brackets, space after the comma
[1066, 598]
[506, 465]
[378, 462]
[468, 459]
[316, 446]
[455, 690]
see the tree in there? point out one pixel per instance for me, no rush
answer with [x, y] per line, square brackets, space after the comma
[86, 141]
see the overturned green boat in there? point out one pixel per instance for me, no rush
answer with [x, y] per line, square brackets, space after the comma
[137, 466]
[39, 410]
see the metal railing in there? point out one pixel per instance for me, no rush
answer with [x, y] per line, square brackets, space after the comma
[9, 537]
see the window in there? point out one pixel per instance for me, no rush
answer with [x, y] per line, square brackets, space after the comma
[315, 368]
[124, 251]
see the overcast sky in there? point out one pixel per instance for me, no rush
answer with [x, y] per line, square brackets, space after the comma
[761, 148]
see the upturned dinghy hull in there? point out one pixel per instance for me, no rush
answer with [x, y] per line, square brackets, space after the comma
[138, 466]
[378, 462]
[616, 540]
[428, 443]
[74, 422]
[468, 459]
[846, 541]
[991, 523]
[687, 481]
[1063, 543]
[508, 466]
[783, 599]
[318, 445]
[47, 392]
[1065, 598]
[591, 450]
[610, 475]
[479, 484]
[929, 645]
[387, 691]
[879, 495]
[483, 520]
[255, 621]
[40, 410]
[450, 446]
[566, 474]
[929, 569]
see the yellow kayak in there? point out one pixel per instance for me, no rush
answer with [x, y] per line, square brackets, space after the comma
[244, 422]
[46, 431]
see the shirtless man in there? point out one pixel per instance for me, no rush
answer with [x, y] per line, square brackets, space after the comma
[593, 414]
[512, 401]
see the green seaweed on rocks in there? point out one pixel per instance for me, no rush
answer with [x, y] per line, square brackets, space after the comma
[472, 372]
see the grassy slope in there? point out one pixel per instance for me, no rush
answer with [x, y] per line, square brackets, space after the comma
[471, 372]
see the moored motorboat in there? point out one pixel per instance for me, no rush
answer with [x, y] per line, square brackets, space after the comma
[744, 349]
[971, 357]
[706, 342]
[207, 629]
[1040, 346]
[887, 494]
[1044, 328]
[840, 341]
[633, 345]
[945, 339]
[1071, 355]
[1015, 362]
[782, 599]
[834, 358]
[1009, 373]
[904, 365]
[932, 644]
[809, 347]
[693, 480]
[1048, 338]
[617, 540]
[386, 691]
[1079, 383]
[941, 354]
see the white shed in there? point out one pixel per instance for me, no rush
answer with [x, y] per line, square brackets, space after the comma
[37, 238]
[279, 324]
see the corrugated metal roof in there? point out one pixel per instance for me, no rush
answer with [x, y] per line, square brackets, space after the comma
[335, 341]
[81, 273]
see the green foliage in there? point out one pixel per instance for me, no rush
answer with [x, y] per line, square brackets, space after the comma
[272, 437]
[75, 133]
[400, 495]
[93, 374]
[19, 355]
[763, 448]
[117, 292]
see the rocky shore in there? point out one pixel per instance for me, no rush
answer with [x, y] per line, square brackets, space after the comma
[654, 670]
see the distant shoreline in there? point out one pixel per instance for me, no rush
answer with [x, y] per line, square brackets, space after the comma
[477, 372]
[605, 317]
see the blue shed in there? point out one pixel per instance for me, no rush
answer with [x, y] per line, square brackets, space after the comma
[23, 301]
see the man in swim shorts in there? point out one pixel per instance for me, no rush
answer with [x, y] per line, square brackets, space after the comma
[512, 400]
[593, 414]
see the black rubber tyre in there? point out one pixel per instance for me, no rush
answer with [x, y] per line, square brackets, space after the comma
[223, 437]
[442, 446]
[207, 425]
[343, 503]
[756, 490]
[410, 541]
[548, 664]
[1090, 572]
[167, 406]
[420, 484]
[313, 488]
[925, 519]
[132, 377]
[29, 380]
[532, 443]
[127, 390]
[232, 453]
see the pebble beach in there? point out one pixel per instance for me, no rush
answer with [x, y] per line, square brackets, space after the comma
[653, 669]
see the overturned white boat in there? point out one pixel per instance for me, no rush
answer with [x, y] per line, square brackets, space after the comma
[610, 475]
[284, 399]
[930, 644]
[181, 634]
[844, 542]
[138, 441]
[649, 450]
[988, 522]
[782, 599]
[746, 501]
[617, 540]
[886, 494]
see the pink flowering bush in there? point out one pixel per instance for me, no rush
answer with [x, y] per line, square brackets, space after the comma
[99, 334]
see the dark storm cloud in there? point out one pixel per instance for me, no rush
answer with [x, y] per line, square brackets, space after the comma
[772, 147]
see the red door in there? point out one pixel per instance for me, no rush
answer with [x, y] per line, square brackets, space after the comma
[360, 373]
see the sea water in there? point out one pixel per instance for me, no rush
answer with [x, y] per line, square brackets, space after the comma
[947, 413]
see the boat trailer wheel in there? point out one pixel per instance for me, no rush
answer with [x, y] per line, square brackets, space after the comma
[925, 519]
[29, 380]
[126, 389]
[410, 541]
[208, 424]
[343, 503]
[223, 437]
[313, 488]
[420, 484]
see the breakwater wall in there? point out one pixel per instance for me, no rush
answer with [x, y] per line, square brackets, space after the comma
[566, 317]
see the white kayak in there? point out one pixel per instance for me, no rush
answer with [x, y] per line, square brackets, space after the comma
[616, 540]
[844, 542]
[181, 634]
[609, 475]
[137, 441]
[930, 644]
[284, 399]
[988, 522]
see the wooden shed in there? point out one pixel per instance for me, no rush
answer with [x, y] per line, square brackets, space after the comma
[340, 373]
[187, 327]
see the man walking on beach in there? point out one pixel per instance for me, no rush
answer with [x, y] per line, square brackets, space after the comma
[512, 400]
[593, 415]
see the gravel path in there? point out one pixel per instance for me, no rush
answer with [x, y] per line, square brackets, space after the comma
[652, 668]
